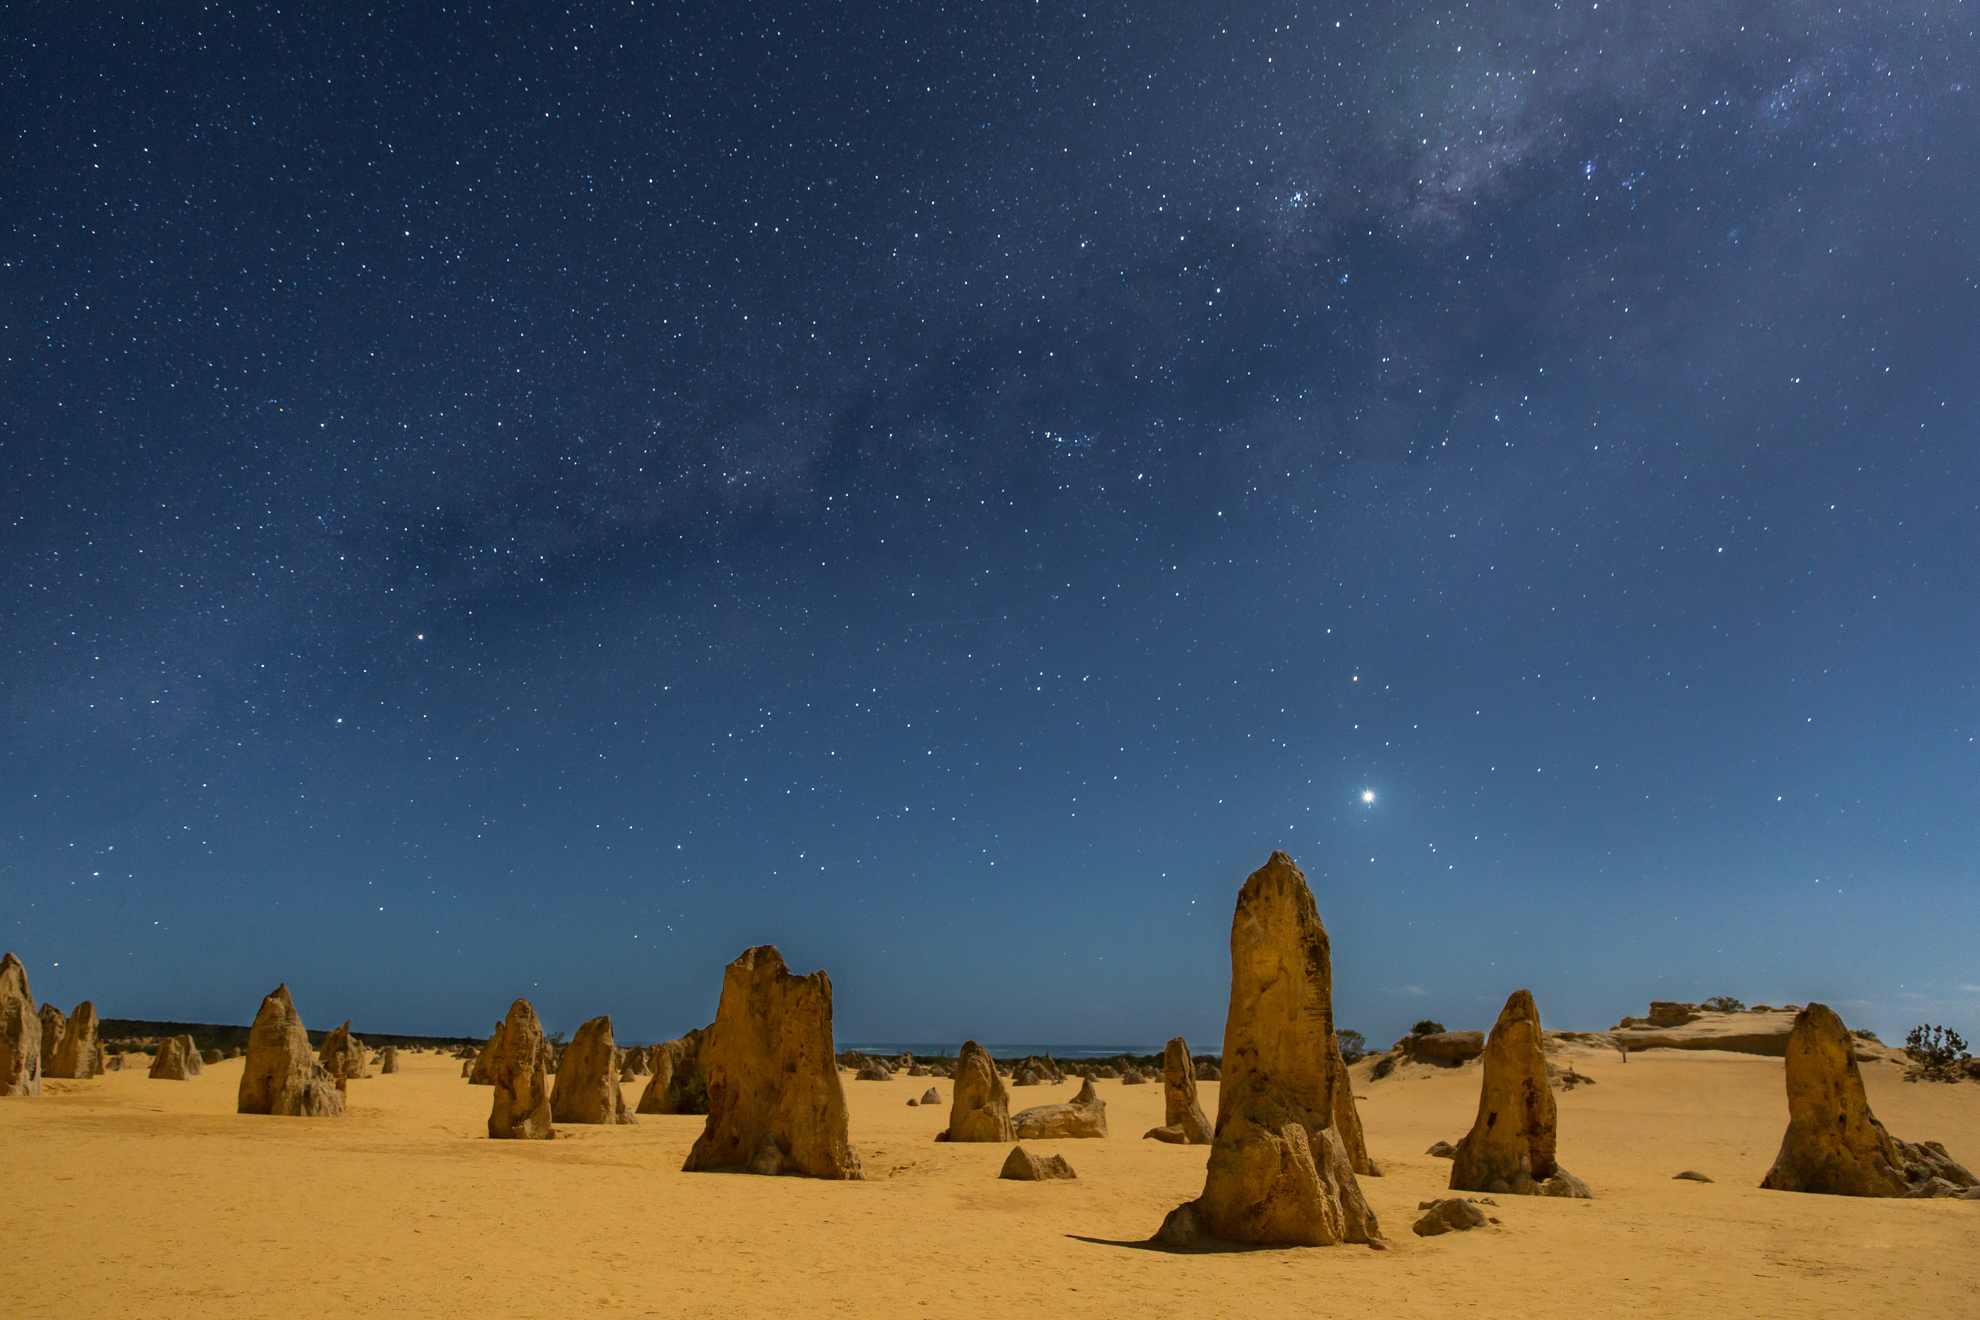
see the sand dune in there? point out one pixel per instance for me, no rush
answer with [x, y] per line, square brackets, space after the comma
[156, 1197]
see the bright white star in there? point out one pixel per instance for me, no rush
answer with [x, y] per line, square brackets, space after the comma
[1368, 795]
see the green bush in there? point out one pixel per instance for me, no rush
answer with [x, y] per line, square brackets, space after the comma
[1427, 1028]
[1724, 1004]
[1939, 1051]
[1354, 1046]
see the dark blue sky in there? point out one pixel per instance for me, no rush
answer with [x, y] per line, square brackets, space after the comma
[524, 501]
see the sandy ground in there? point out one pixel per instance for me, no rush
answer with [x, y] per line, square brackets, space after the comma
[156, 1199]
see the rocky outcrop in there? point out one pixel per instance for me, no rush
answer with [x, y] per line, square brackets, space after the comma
[20, 1032]
[587, 1089]
[521, 1076]
[176, 1061]
[1761, 1030]
[1279, 1171]
[1022, 1166]
[1834, 1144]
[1085, 1115]
[1448, 1048]
[280, 1074]
[775, 1104]
[76, 1052]
[1667, 1013]
[343, 1054]
[980, 1109]
[874, 1070]
[388, 1060]
[482, 1072]
[53, 1024]
[680, 1082]
[634, 1064]
[1183, 1123]
[1510, 1148]
[931, 1097]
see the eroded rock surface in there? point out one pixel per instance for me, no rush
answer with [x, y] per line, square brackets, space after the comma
[343, 1055]
[1085, 1115]
[20, 1032]
[388, 1060]
[520, 1073]
[1279, 1171]
[76, 1052]
[1023, 1166]
[176, 1061]
[679, 1084]
[280, 1074]
[1834, 1145]
[1450, 1215]
[1442, 1047]
[587, 1089]
[980, 1109]
[1183, 1122]
[773, 1083]
[482, 1071]
[1510, 1148]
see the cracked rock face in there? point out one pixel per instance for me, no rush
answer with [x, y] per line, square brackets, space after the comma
[775, 1104]
[1281, 1169]
[1834, 1145]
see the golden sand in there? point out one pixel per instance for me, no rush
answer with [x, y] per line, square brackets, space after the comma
[137, 1197]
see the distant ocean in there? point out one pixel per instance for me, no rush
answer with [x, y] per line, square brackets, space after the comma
[884, 1049]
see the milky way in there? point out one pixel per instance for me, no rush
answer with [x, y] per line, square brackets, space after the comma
[510, 502]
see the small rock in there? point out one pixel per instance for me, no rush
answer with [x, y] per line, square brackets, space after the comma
[767, 1160]
[1690, 1175]
[1450, 1215]
[1022, 1166]
[1933, 1188]
[1565, 1184]
[931, 1097]
[1443, 1150]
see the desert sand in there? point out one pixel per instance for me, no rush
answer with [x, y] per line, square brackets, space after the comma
[156, 1198]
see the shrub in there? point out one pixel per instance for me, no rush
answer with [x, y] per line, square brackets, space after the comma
[1383, 1067]
[1354, 1046]
[1939, 1051]
[1427, 1028]
[1724, 1004]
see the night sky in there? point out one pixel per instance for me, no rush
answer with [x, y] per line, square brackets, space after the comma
[531, 501]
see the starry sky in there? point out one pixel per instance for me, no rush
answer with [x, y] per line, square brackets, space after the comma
[532, 500]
